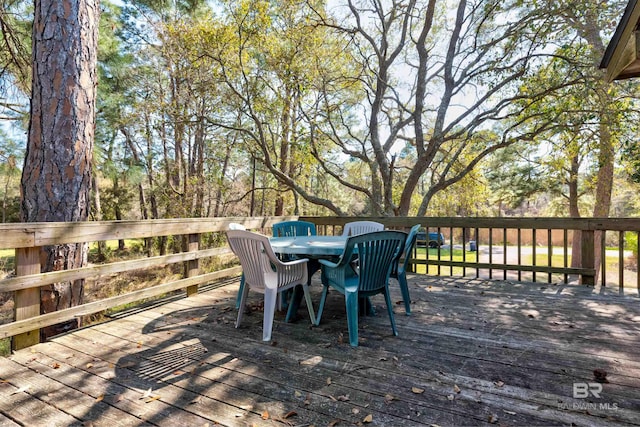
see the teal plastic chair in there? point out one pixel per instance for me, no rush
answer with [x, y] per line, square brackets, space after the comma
[376, 252]
[399, 268]
[294, 228]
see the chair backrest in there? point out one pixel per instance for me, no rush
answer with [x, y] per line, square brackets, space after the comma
[294, 228]
[236, 226]
[409, 244]
[376, 253]
[255, 254]
[361, 227]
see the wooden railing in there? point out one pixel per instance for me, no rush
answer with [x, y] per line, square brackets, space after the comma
[28, 238]
[523, 249]
[513, 248]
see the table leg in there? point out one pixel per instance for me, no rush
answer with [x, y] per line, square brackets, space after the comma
[294, 303]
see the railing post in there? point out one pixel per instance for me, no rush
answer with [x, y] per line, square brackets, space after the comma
[26, 301]
[193, 266]
[587, 257]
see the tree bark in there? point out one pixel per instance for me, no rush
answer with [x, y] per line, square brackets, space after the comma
[56, 179]
[604, 184]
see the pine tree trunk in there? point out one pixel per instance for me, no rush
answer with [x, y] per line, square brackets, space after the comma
[56, 179]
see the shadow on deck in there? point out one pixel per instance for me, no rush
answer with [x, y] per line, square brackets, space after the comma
[473, 352]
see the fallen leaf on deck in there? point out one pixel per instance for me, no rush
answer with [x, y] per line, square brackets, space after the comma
[55, 366]
[196, 400]
[290, 414]
[368, 419]
[307, 401]
[146, 394]
[178, 372]
[456, 388]
[99, 398]
[493, 418]
[139, 344]
[600, 375]
[498, 383]
[265, 415]
[450, 397]
[296, 393]
[89, 365]
[329, 381]
[151, 399]
[388, 398]
[20, 390]
[417, 390]
[355, 411]
[343, 398]
[333, 423]
[311, 361]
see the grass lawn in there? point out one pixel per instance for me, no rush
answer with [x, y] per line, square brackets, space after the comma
[7, 259]
[446, 254]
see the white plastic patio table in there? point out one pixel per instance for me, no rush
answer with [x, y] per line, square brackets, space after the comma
[313, 247]
[309, 246]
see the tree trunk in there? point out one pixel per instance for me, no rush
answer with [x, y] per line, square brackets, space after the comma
[604, 184]
[574, 212]
[56, 178]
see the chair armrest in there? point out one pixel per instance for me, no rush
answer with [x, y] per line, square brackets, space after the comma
[328, 263]
[295, 262]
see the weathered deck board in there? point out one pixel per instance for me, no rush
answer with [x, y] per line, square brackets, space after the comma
[474, 352]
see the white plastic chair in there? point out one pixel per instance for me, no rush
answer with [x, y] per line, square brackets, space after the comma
[236, 226]
[361, 227]
[265, 273]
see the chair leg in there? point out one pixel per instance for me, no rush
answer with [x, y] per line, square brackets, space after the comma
[387, 298]
[323, 297]
[241, 304]
[351, 303]
[307, 297]
[404, 288]
[240, 289]
[270, 297]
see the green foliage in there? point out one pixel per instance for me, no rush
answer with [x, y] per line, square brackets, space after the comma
[5, 347]
[513, 177]
[631, 242]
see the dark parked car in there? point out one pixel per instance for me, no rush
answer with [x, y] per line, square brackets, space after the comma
[434, 240]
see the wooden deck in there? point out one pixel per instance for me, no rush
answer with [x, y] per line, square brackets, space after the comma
[473, 352]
